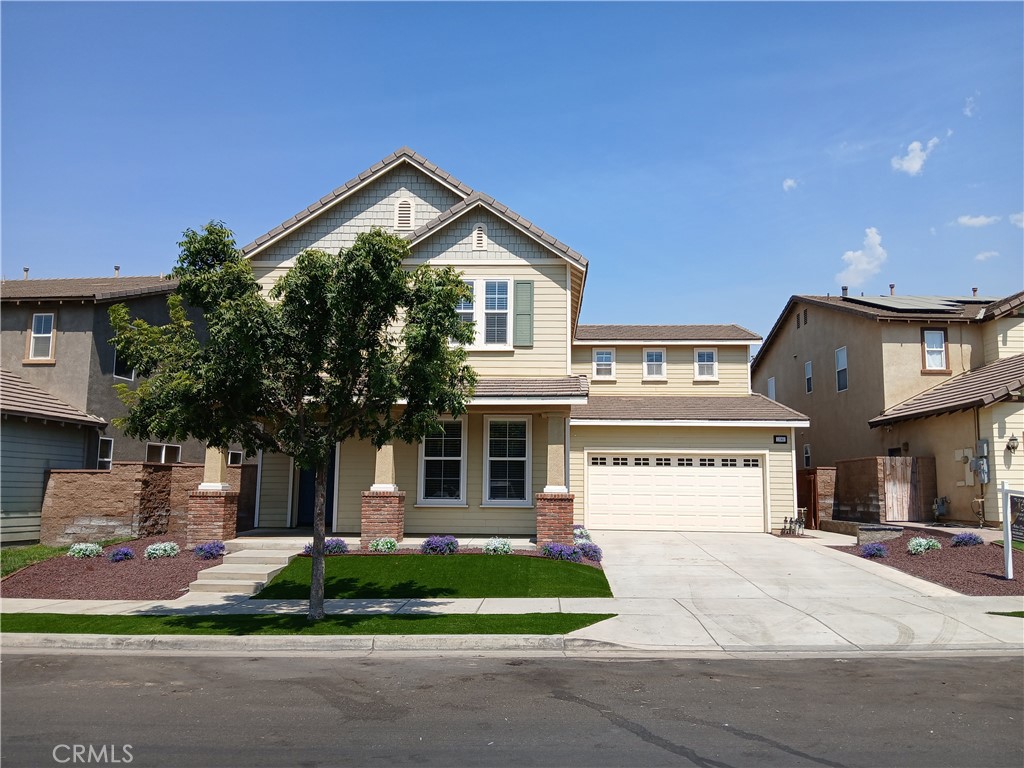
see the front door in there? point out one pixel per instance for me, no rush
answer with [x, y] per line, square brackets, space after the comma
[307, 496]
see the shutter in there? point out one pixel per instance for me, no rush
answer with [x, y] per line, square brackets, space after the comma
[522, 331]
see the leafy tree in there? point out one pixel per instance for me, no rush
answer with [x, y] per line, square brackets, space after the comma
[344, 346]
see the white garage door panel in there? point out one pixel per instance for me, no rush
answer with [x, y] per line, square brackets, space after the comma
[675, 498]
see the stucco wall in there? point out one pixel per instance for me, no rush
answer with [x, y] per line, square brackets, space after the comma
[902, 361]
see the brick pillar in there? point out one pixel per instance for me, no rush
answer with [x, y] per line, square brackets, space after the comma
[554, 517]
[383, 514]
[212, 516]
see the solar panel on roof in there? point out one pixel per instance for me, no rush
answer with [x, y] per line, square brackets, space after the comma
[919, 303]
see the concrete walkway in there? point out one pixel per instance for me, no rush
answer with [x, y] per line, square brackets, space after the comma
[675, 592]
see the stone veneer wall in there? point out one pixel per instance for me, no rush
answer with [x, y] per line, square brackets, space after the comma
[860, 490]
[130, 499]
[815, 492]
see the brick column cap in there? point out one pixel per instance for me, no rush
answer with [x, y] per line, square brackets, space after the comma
[556, 496]
[384, 494]
[213, 494]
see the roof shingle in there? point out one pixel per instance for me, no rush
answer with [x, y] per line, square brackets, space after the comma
[20, 398]
[680, 408]
[664, 333]
[85, 288]
[565, 386]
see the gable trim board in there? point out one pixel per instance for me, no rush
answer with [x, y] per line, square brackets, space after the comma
[687, 423]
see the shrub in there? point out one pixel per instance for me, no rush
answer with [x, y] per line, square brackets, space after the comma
[331, 547]
[919, 544]
[210, 550]
[589, 550]
[440, 545]
[80, 551]
[579, 532]
[162, 549]
[568, 552]
[387, 544]
[874, 549]
[967, 540]
[121, 554]
[498, 546]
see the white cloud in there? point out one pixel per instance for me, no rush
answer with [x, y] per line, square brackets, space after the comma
[788, 184]
[864, 263]
[976, 221]
[932, 230]
[913, 161]
[970, 106]
[986, 255]
[1018, 219]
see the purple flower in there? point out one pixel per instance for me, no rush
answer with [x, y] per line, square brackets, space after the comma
[331, 547]
[210, 550]
[121, 554]
[874, 549]
[568, 552]
[967, 540]
[590, 550]
[439, 545]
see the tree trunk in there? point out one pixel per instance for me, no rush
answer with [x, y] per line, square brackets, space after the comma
[316, 586]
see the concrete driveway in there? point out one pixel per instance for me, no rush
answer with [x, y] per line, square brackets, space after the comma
[746, 592]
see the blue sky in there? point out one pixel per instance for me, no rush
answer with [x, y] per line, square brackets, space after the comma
[709, 159]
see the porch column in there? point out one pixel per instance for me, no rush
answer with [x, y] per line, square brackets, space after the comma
[383, 506]
[555, 503]
[213, 507]
[215, 470]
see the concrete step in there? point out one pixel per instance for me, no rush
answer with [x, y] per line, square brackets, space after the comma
[260, 557]
[292, 544]
[227, 586]
[241, 572]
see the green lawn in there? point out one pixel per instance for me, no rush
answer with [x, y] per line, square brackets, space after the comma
[423, 576]
[1016, 545]
[1017, 614]
[15, 558]
[278, 624]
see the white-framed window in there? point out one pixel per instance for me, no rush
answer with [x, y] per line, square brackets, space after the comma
[707, 462]
[162, 453]
[808, 377]
[490, 310]
[507, 456]
[604, 363]
[705, 364]
[443, 465]
[842, 373]
[684, 462]
[480, 237]
[655, 366]
[235, 458]
[642, 461]
[750, 463]
[619, 461]
[935, 350]
[663, 461]
[121, 370]
[105, 453]
[467, 307]
[730, 462]
[403, 214]
[771, 388]
[598, 461]
[807, 455]
[41, 343]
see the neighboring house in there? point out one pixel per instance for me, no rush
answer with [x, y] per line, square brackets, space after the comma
[56, 334]
[39, 432]
[647, 427]
[905, 376]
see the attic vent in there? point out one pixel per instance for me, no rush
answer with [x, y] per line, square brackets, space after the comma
[480, 238]
[403, 214]
[798, 318]
[805, 316]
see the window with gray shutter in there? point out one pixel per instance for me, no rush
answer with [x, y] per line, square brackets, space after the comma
[522, 334]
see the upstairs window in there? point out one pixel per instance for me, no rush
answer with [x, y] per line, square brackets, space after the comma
[807, 455]
[41, 343]
[935, 351]
[705, 364]
[808, 378]
[604, 363]
[121, 369]
[480, 237]
[403, 214]
[654, 364]
[465, 308]
[771, 388]
[496, 312]
[842, 375]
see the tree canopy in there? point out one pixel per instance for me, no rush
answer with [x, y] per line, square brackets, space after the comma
[346, 345]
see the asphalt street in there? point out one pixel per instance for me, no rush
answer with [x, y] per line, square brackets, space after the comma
[190, 710]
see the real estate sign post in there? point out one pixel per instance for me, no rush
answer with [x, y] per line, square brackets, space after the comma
[1013, 525]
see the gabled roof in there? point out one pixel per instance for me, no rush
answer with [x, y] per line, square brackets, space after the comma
[563, 386]
[480, 200]
[664, 333]
[20, 398]
[96, 289]
[748, 408]
[983, 386]
[925, 309]
[403, 155]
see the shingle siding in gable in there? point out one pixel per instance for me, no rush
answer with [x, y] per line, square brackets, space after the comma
[337, 228]
[504, 242]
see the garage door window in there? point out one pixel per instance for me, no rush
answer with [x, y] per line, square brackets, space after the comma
[707, 462]
[730, 463]
[508, 461]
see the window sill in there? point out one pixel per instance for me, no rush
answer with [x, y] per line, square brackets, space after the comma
[609, 379]
[936, 372]
[491, 348]
[39, 361]
[656, 379]
[497, 505]
[456, 504]
[706, 380]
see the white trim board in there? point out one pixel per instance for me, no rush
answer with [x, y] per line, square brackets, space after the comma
[686, 423]
[661, 343]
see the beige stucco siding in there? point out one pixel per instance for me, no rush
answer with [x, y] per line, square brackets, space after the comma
[903, 364]
[781, 494]
[1003, 338]
[680, 380]
[275, 481]
[372, 206]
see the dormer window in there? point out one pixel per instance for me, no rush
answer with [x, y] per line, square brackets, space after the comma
[480, 237]
[403, 214]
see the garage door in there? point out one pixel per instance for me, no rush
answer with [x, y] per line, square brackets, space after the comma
[662, 492]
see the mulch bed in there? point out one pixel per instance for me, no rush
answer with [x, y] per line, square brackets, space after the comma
[97, 578]
[974, 570]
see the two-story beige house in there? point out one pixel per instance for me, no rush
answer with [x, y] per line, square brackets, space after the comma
[647, 427]
[893, 375]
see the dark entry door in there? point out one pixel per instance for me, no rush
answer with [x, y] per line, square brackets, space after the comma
[307, 496]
